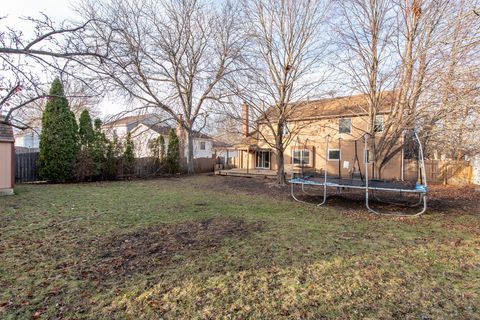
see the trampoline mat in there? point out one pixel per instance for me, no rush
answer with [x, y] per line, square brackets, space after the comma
[357, 183]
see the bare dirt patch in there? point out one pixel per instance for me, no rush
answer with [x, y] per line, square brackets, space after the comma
[146, 249]
[254, 186]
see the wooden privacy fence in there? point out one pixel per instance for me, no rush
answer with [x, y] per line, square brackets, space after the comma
[441, 171]
[27, 167]
[147, 166]
[202, 165]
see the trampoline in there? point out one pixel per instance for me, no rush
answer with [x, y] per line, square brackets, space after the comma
[368, 185]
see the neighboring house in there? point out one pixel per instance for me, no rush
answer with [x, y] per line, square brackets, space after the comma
[344, 120]
[226, 154]
[28, 138]
[145, 129]
[7, 159]
[121, 126]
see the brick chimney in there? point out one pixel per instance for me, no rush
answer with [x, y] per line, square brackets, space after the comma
[245, 121]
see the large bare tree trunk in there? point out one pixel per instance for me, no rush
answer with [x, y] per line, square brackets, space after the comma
[279, 149]
[280, 167]
[172, 56]
[281, 66]
[190, 165]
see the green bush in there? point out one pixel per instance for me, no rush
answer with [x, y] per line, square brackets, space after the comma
[173, 152]
[86, 134]
[86, 168]
[157, 149]
[58, 140]
[128, 156]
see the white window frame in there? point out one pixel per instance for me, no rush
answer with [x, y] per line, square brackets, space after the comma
[339, 154]
[302, 152]
[379, 116]
[350, 129]
[366, 156]
[204, 145]
[285, 130]
[269, 159]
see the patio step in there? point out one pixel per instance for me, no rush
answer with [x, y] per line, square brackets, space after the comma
[233, 173]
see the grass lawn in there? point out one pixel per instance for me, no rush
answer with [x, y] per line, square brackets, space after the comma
[196, 247]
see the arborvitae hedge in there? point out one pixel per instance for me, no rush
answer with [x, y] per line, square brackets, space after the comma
[58, 140]
[173, 152]
[86, 134]
[128, 155]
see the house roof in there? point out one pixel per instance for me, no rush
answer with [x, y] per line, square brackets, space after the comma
[221, 145]
[337, 107]
[163, 130]
[200, 135]
[128, 119]
[6, 132]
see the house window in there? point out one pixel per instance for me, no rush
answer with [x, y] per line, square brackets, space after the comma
[202, 145]
[334, 154]
[285, 131]
[262, 159]
[378, 125]
[345, 125]
[366, 156]
[300, 157]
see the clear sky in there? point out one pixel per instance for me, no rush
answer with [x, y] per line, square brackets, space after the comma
[56, 10]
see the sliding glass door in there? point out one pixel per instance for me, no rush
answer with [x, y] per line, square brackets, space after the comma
[262, 160]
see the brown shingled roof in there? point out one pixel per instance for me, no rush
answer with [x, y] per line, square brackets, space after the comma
[163, 129]
[336, 107]
[158, 128]
[128, 119]
[6, 132]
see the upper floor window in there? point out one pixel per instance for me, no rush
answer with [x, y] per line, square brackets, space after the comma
[285, 130]
[301, 157]
[378, 125]
[334, 154]
[202, 145]
[366, 156]
[345, 125]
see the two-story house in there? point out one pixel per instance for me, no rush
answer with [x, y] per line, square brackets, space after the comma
[342, 121]
[144, 129]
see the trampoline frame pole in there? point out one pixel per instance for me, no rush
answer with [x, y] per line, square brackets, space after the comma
[365, 151]
[423, 197]
[325, 174]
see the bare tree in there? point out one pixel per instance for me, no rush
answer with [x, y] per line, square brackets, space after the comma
[407, 47]
[282, 67]
[364, 29]
[171, 55]
[80, 97]
[451, 125]
[28, 64]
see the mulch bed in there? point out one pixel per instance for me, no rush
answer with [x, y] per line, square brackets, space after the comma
[441, 198]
